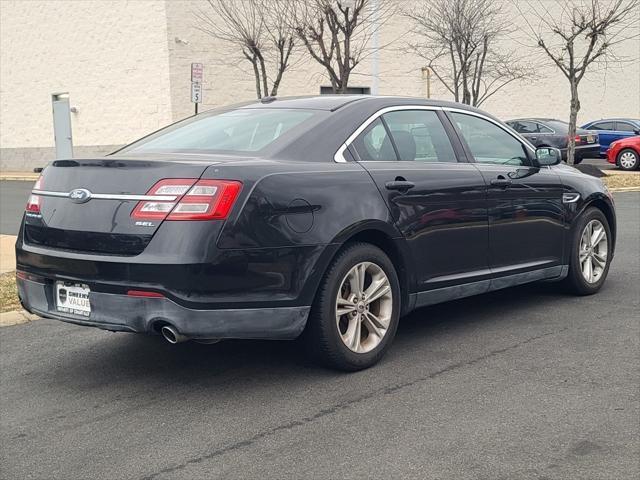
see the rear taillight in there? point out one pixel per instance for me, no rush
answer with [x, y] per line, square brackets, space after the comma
[195, 200]
[578, 139]
[33, 204]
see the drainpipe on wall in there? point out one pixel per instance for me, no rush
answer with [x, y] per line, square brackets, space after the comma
[375, 66]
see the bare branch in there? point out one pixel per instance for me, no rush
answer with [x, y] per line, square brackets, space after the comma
[258, 31]
[338, 33]
[577, 36]
[459, 39]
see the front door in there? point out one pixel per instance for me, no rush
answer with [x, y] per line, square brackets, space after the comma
[438, 203]
[526, 228]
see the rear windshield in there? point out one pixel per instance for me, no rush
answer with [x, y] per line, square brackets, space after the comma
[242, 130]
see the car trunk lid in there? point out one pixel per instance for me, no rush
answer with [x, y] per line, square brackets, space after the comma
[86, 204]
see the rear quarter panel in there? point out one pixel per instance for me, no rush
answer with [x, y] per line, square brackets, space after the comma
[315, 204]
[305, 211]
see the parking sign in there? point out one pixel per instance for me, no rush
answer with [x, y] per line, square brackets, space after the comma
[196, 92]
[197, 72]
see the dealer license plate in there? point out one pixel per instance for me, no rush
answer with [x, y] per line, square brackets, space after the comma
[73, 298]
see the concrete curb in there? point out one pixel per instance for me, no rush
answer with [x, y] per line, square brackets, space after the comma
[16, 317]
[20, 177]
[621, 172]
[625, 189]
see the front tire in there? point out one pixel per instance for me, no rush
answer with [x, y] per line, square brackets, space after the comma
[628, 160]
[356, 311]
[590, 255]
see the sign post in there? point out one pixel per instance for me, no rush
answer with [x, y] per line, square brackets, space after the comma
[197, 71]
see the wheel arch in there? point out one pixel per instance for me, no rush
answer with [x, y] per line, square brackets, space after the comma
[602, 203]
[386, 238]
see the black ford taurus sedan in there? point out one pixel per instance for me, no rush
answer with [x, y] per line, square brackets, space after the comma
[326, 217]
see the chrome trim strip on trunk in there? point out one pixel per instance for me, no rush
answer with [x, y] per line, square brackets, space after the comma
[109, 196]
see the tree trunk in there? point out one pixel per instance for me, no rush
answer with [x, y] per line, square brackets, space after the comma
[265, 84]
[256, 73]
[344, 83]
[573, 119]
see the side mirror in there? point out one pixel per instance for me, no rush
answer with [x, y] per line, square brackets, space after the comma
[547, 156]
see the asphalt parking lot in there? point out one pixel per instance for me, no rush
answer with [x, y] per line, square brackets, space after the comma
[525, 383]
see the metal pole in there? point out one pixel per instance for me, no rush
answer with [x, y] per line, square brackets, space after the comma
[375, 59]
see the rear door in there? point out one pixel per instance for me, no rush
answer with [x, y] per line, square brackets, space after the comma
[626, 129]
[438, 202]
[606, 134]
[526, 230]
[529, 130]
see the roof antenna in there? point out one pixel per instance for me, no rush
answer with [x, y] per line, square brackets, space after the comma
[268, 99]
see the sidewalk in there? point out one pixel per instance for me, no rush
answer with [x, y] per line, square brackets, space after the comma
[19, 176]
[7, 253]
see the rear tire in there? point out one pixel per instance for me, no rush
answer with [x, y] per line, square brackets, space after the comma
[590, 255]
[628, 160]
[358, 335]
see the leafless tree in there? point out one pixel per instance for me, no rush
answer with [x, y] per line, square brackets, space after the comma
[460, 42]
[578, 35]
[338, 33]
[259, 31]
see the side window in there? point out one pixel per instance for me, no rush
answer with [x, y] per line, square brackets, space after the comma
[419, 136]
[625, 127]
[603, 126]
[374, 144]
[489, 143]
[544, 129]
[526, 127]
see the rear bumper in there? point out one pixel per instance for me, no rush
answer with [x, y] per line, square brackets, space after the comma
[584, 151]
[124, 313]
[588, 151]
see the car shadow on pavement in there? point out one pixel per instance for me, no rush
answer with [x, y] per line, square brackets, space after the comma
[127, 359]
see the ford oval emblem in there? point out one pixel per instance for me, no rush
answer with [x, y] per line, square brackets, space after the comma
[80, 195]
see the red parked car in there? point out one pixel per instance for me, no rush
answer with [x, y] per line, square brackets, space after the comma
[625, 153]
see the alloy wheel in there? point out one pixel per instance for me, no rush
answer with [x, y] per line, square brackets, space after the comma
[593, 251]
[364, 306]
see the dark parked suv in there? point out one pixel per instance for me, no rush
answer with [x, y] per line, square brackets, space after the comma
[326, 217]
[547, 132]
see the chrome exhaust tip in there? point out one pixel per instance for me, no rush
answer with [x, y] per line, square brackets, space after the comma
[171, 335]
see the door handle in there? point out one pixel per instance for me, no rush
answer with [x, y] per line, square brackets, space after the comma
[399, 185]
[501, 182]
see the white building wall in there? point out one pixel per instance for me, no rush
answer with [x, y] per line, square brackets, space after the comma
[126, 66]
[604, 93]
[110, 56]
